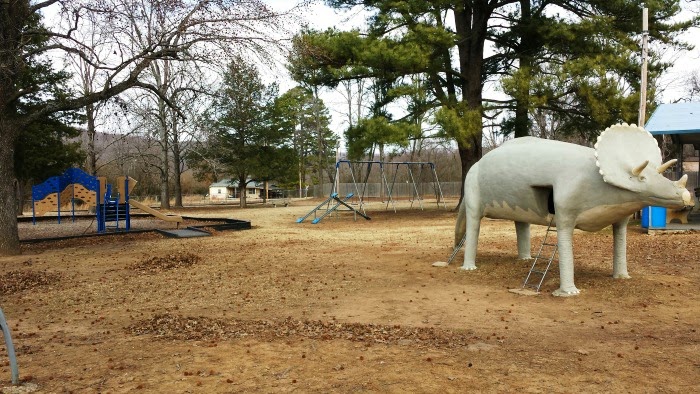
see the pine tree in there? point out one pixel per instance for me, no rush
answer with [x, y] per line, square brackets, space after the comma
[43, 148]
[245, 139]
[295, 111]
[576, 59]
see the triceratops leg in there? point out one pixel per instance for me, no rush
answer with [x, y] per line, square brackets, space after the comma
[565, 233]
[620, 249]
[474, 212]
[470, 244]
[522, 230]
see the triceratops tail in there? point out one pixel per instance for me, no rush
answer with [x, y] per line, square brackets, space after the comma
[461, 225]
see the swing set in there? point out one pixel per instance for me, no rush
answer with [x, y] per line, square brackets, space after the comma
[359, 171]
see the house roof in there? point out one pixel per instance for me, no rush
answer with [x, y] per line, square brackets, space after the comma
[680, 120]
[234, 183]
[224, 183]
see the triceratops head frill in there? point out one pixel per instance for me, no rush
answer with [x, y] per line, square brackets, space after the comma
[623, 151]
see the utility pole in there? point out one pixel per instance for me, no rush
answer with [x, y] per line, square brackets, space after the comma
[643, 86]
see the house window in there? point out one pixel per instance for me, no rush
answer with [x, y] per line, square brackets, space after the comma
[218, 191]
[251, 191]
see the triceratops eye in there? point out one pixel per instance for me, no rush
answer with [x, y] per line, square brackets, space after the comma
[642, 179]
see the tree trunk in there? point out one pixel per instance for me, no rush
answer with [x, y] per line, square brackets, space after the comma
[91, 160]
[9, 236]
[471, 26]
[162, 76]
[321, 153]
[243, 192]
[299, 138]
[266, 192]
[348, 91]
[164, 159]
[21, 187]
[301, 183]
[13, 18]
[164, 189]
[522, 98]
[177, 180]
[177, 187]
[521, 121]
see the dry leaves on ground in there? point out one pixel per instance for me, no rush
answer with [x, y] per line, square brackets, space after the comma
[16, 281]
[171, 261]
[168, 326]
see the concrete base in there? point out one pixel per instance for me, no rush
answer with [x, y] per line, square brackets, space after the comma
[22, 388]
[525, 292]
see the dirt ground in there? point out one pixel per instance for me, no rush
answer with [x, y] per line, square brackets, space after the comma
[348, 306]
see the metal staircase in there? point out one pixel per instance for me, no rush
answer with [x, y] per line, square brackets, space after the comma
[539, 270]
[114, 212]
[457, 249]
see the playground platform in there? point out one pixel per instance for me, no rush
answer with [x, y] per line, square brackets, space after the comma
[185, 233]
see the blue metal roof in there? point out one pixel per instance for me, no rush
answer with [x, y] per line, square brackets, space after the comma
[681, 120]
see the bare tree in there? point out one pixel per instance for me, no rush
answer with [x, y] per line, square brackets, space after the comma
[192, 102]
[178, 79]
[171, 133]
[692, 87]
[86, 74]
[121, 66]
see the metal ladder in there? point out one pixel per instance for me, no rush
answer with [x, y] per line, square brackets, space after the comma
[531, 281]
[457, 248]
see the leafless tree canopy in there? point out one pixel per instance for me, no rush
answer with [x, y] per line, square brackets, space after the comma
[134, 33]
[117, 40]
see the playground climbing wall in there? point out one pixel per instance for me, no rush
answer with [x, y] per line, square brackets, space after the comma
[58, 191]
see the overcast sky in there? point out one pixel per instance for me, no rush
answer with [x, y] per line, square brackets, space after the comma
[684, 63]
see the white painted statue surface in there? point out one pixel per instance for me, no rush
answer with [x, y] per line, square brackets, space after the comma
[531, 180]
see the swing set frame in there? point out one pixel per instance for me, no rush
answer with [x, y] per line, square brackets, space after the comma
[334, 202]
[360, 188]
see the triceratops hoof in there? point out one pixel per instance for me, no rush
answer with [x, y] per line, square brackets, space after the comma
[468, 267]
[621, 276]
[566, 293]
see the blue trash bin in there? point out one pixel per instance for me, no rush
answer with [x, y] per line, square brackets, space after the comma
[653, 217]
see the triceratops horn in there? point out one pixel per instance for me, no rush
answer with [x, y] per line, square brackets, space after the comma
[681, 182]
[639, 169]
[666, 165]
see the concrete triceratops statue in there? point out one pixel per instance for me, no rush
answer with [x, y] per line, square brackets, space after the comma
[532, 181]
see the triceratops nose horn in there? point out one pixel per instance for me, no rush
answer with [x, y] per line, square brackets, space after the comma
[681, 182]
[666, 165]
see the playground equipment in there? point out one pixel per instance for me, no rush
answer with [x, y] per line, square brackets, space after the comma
[112, 211]
[58, 191]
[360, 192]
[14, 369]
[116, 209]
[360, 188]
[329, 209]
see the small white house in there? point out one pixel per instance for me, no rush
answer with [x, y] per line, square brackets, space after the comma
[228, 189]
